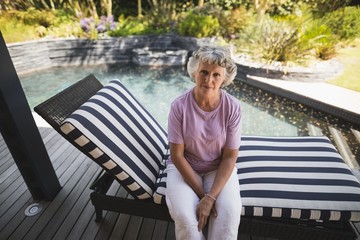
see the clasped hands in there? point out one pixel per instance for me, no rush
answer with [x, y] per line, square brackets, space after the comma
[205, 207]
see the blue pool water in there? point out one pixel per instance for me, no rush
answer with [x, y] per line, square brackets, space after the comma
[154, 88]
[263, 113]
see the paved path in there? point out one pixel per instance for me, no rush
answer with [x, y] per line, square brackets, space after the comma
[328, 94]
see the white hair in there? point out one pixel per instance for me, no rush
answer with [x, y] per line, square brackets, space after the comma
[220, 56]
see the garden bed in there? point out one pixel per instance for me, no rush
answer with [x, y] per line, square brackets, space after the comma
[42, 54]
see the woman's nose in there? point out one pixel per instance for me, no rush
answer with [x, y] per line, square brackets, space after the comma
[208, 78]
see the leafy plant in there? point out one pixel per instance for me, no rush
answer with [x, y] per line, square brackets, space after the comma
[38, 17]
[235, 21]
[318, 37]
[132, 26]
[345, 23]
[162, 14]
[323, 7]
[14, 30]
[226, 4]
[196, 25]
[276, 41]
[33, 24]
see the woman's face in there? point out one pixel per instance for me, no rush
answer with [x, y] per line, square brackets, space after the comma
[209, 77]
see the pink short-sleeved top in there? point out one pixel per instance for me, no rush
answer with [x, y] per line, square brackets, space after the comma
[205, 134]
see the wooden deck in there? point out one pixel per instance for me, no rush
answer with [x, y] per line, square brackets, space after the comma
[70, 215]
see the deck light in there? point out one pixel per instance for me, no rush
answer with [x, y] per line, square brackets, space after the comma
[33, 209]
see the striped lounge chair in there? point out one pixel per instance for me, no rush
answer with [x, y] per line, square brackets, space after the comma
[291, 187]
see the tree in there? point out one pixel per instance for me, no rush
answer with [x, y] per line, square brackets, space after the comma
[107, 6]
[260, 8]
[262, 5]
[139, 8]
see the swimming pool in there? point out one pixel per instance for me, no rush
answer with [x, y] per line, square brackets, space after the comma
[263, 113]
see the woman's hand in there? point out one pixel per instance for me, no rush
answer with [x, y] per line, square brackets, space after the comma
[205, 207]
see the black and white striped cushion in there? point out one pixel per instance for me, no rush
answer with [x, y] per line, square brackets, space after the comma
[292, 177]
[119, 134]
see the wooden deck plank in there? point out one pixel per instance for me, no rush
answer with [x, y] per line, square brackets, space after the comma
[3, 150]
[4, 175]
[51, 140]
[18, 186]
[114, 220]
[91, 230]
[4, 185]
[11, 194]
[84, 219]
[147, 229]
[71, 176]
[80, 207]
[160, 230]
[134, 225]
[52, 143]
[68, 181]
[58, 220]
[14, 216]
[8, 161]
[121, 220]
[19, 216]
[170, 235]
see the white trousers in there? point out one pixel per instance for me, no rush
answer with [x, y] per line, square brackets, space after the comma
[182, 202]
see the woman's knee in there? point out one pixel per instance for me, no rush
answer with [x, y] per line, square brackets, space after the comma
[184, 217]
[229, 211]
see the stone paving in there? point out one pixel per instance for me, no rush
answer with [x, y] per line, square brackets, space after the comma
[332, 95]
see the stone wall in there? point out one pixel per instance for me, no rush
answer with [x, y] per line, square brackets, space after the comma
[317, 72]
[42, 54]
[30, 56]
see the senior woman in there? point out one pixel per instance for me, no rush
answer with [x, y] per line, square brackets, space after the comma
[204, 128]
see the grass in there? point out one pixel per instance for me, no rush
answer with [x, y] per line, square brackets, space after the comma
[350, 78]
[13, 31]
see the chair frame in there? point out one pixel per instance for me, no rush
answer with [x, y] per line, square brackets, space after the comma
[57, 108]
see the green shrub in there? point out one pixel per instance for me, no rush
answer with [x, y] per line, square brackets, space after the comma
[345, 22]
[196, 25]
[294, 40]
[133, 26]
[32, 24]
[325, 51]
[233, 22]
[37, 17]
[318, 38]
[127, 27]
[275, 41]
[161, 16]
[15, 31]
[65, 30]
[323, 7]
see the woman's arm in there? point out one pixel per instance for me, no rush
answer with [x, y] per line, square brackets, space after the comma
[223, 173]
[187, 172]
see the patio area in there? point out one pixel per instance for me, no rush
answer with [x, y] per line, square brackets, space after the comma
[71, 215]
